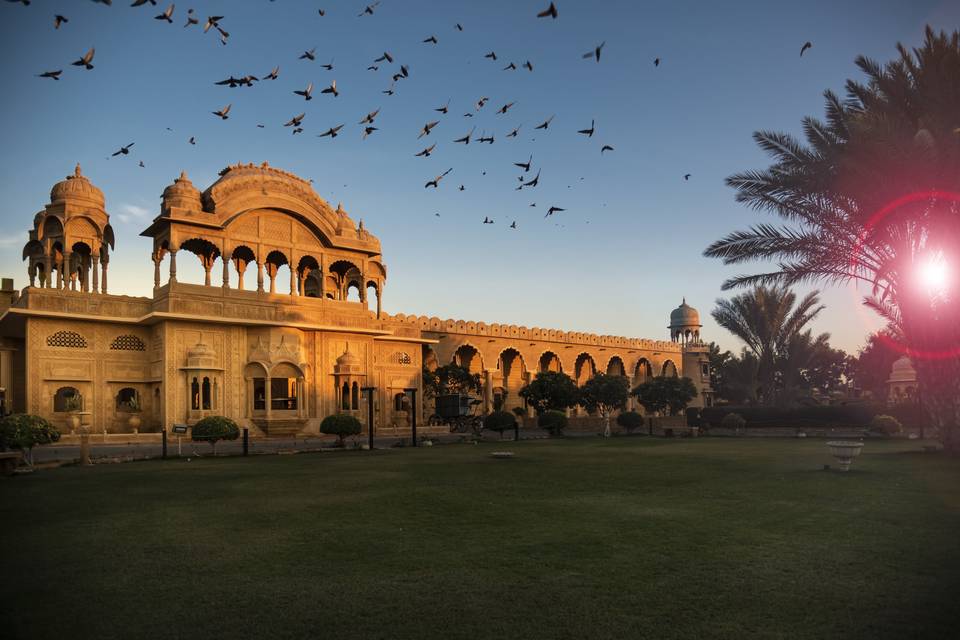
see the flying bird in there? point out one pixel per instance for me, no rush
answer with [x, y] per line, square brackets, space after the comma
[223, 112]
[686, 176]
[513, 225]
[55, 75]
[309, 55]
[436, 181]
[329, 65]
[368, 119]
[426, 128]
[426, 152]
[462, 188]
[504, 108]
[528, 65]
[587, 132]
[605, 147]
[550, 12]
[166, 15]
[656, 62]
[59, 20]
[192, 140]
[191, 19]
[306, 92]
[212, 21]
[385, 57]
[525, 165]
[492, 55]
[466, 139]
[546, 123]
[367, 131]
[806, 45]
[332, 132]
[553, 210]
[140, 3]
[86, 61]
[332, 89]
[372, 67]
[295, 121]
[404, 73]
[483, 138]
[389, 90]
[368, 10]
[444, 108]
[142, 166]
[322, 12]
[487, 220]
[430, 40]
[459, 28]
[273, 74]
[510, 67]
[514, 133]
[481, 102]
[122, 150]
[596, 52]
[534, 182]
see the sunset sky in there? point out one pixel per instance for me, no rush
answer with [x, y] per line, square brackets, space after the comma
[624, 252]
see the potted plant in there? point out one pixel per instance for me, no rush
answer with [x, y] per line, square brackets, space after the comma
[73, 406]
[133, 407]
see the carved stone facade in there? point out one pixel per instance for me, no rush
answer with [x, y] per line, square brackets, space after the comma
[280, 334]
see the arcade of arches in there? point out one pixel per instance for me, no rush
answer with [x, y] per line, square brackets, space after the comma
[266, 308]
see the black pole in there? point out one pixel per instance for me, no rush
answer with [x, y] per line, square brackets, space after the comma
[516, 430]
[413, 414]
[163, 439]
[246, 440]
[369, 391]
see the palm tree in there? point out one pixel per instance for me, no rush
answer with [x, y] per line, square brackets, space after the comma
[873, 197]
[766, 319]
[801, 352]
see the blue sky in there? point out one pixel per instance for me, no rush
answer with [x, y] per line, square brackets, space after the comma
[621, 256]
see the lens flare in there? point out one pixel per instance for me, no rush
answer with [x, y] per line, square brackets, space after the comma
[934, 274]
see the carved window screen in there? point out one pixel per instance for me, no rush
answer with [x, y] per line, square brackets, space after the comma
[127, 343]
[67, 339]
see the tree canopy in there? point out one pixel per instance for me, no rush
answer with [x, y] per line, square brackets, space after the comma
[551, 390]
[666, 394]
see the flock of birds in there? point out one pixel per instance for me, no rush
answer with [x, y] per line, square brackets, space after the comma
[368, 122]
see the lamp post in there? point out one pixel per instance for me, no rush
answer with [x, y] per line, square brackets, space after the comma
[413, 412]
[369, 391]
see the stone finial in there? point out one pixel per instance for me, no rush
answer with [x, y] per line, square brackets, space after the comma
[76, 171]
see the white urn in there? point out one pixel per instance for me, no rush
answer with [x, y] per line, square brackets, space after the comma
[844, 452]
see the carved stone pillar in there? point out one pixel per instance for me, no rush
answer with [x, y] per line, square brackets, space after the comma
[67, 270]
[379, 296]
[32, 272]
[226, 272]
[321, 277]
[293, 281]
[103, 276]
[173, 266]
[156, 269]
[259, 278]
[487, 391]
[95, 272]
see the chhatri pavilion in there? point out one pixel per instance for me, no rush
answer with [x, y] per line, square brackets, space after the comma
[285, 329]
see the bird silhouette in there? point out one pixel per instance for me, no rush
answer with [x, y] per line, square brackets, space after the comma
[212, 22]
[525, 165]
[191, 19]
[444, 108]
[389, 90]
[514, 133]
[142, 166]
[426, 152]
[596, 52]
[605, 147]
[322, 12]
[333, 132]
[122, 150]
[458, 27]
[386, 57]
[656, 62]
[404, 73]
[436, 181]
[485, 138]
[504, 108]
[487, 220]
[273, 74]
[309, 55]
[223, 112]
[806, 45]
[510, 67]
[686, 176]
[481, 102]
[528, 65]
[513, 225]
[427, 128]
[166, 16]
[492, 55]
[546, 123]
[306, 92]
[368, 10]
[368, 119]
[534, 182]
[462, 188]
[332, 89]
[329, 65]
[430, 40]
[466, 139]
[86, 61]
[295, 121]
[55, 75]
[367, 131]
[192, 140]
[553, 210]
[372, 67]
[140, 3]
[587, 132]
[550, 12]
[59, 20]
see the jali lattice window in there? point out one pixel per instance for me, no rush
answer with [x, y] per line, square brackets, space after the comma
[68, 339]
[127, 343]
[402, 358]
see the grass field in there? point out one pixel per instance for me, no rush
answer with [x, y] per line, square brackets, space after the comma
[619, 538]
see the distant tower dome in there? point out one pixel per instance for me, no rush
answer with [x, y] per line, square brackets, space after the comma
[345, 222]
[77, 188]
[902, 384]
[201, 356]
[348, 363]
[182, 194]
[685, 324]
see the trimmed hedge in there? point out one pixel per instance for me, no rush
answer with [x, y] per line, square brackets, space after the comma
[340, 425]
[213, 428]
[499, 421]
[733, 421]
[847, 415]
[885, 425]
[553, 421]
[630, 420]
[24, 431]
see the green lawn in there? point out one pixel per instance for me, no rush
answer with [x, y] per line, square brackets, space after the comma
[587, 538]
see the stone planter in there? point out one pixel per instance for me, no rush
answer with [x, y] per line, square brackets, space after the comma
[134, 421]
[73, 420]
[844, 452]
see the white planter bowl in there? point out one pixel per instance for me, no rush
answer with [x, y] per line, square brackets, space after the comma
[844, 452]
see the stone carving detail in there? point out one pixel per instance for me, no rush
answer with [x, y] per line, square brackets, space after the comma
[127, 343]
[67, 340]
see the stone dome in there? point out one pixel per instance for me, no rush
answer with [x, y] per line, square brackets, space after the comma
[182, 194]
[903, 371]
[77, 188]
[348, 358]
[344, 221]
[684, 316]
[201, 356]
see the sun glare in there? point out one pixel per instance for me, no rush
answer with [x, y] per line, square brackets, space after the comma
[934, 274]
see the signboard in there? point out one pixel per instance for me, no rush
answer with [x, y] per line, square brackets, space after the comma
[180, 429]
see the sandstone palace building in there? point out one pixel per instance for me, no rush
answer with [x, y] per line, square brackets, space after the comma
[285, 329]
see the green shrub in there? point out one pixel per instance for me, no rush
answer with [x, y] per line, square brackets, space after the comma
[340, 425]
[23, 431]
[553, 421]
[499, 421]
[885, 425]
[630, 420]
[214, 428]
[733, 421]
